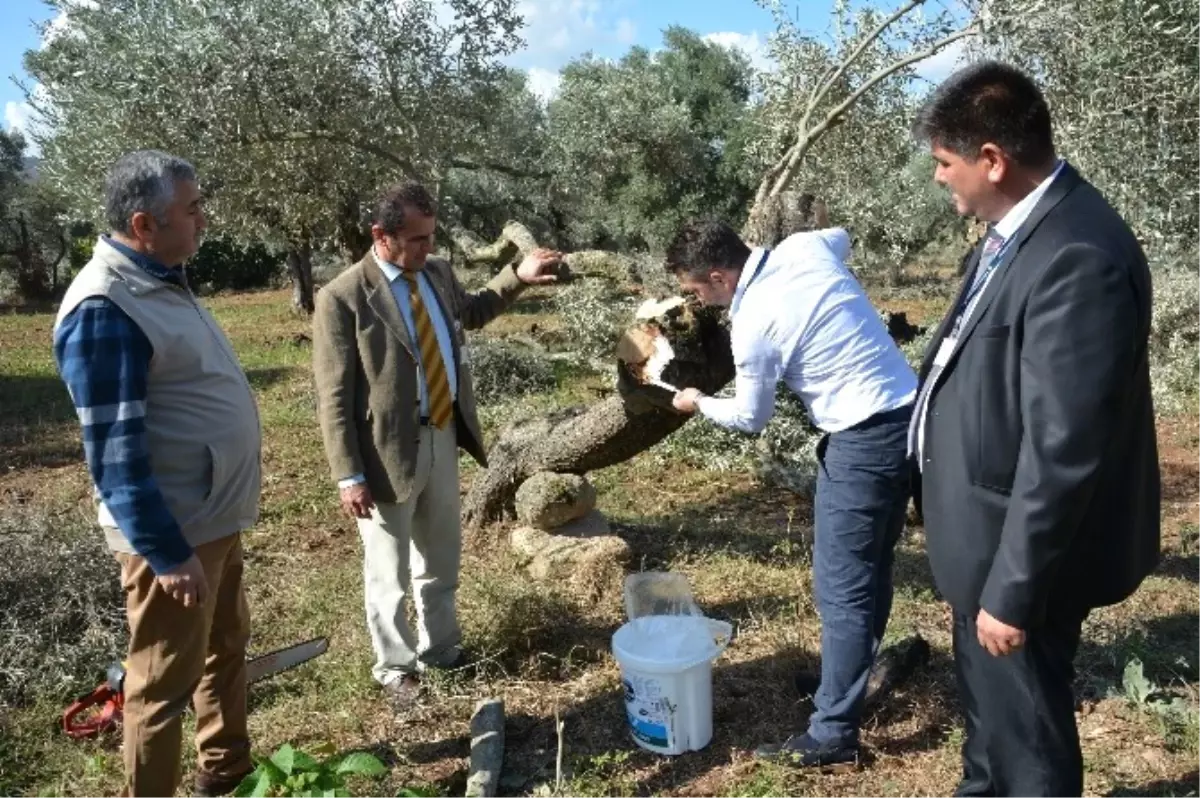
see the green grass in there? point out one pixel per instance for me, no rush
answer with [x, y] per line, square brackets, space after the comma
[545, 648]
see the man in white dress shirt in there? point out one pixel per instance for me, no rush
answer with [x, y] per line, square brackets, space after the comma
[798, 315]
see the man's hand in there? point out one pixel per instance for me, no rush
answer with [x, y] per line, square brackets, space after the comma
[686, 400]
[357, 501]
[996, 636]
[540, 267]
[186, 583]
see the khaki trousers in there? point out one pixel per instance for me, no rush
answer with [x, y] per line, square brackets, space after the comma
[178, 654]
[422, 534]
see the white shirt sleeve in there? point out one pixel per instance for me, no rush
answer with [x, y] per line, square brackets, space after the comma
[759, 368]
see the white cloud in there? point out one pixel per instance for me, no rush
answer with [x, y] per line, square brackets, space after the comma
[56, 27]
[751, 45]
[556, 31]
[61, 24]
[626, 31]
[943, 63]
[544, 83]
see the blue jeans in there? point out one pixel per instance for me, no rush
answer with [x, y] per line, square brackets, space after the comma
[861, 502]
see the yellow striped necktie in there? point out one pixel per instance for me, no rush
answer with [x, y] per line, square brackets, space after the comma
[437, 384]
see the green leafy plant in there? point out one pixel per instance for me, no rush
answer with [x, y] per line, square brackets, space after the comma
[1178, 718]
[289, 772]
[1138, 688]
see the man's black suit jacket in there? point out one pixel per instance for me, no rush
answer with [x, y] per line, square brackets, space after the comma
[1040, 479]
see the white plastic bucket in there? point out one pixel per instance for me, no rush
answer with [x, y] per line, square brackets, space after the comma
[666, 670]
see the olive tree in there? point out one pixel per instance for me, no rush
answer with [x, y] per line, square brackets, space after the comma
[1121, 80]
[834, 119]
[640, 144]
[296, 111]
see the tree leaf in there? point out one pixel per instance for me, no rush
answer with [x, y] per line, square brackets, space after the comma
[263, 786]
[361, 763]
[324, 749]
[285, 759]
[250, 785]
[274, 774]
[1138, 688]
[302, 762]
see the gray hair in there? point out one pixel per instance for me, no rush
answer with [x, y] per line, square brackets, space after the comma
[143, 182]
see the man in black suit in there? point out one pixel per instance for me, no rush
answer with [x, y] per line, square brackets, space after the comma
[1033, 430]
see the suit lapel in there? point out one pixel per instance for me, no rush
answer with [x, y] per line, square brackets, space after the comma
[1067, 180]
[383, 303]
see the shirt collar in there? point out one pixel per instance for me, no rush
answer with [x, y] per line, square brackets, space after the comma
[750, 269]
[148, 264]
[1017, 215]
[391, 271]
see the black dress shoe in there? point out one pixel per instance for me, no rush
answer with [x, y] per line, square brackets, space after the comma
[802, 751]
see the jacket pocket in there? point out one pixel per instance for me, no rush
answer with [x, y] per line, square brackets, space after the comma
[994, 332]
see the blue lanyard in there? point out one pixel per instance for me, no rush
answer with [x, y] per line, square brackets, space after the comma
[980, 281]
[758, 267]
[738, 294]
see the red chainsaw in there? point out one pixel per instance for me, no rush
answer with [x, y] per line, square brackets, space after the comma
[100, 710]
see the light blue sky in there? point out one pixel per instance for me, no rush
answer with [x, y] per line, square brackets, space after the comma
[556, 31]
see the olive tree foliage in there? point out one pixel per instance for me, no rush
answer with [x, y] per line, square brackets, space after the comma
[834, 121]
[295, 111]
[1122, 82]
[515, 185]
[640, 144]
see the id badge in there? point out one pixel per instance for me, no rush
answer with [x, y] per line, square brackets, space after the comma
[944, 351]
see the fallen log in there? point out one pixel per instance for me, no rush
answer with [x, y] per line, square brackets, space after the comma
[671, 344]
[639, 415]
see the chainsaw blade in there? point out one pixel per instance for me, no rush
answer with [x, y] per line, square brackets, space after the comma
[284, 659]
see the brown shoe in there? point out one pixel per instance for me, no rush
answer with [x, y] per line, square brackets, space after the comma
[208, 785]
[403, 692]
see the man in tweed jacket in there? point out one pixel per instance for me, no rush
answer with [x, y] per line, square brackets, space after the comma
[395, 402]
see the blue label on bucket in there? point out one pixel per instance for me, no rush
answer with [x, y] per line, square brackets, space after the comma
[649, 713]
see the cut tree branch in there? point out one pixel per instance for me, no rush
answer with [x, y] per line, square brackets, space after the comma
[797, 152]
[823, 88]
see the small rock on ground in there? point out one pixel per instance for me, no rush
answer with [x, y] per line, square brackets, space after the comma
[548, 500]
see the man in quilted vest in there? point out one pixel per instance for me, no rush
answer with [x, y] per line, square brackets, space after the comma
[172, 440]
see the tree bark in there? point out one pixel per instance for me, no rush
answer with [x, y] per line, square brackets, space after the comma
[778, 216]
[299, 263]
[639, 415]
[513, 243]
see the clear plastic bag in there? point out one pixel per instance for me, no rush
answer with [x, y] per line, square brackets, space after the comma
[665, 623]
[659, 593]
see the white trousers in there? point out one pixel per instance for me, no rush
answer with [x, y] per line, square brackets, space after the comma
[422, 534]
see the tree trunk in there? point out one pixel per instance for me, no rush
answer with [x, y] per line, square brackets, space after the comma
[639, 415]
[514, 242]
[299, 263]
[778, 216]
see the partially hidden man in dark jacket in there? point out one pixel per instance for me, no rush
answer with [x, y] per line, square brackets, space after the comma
[1033, 430]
